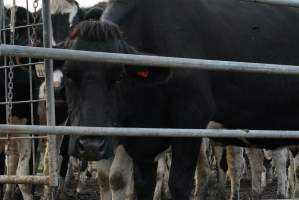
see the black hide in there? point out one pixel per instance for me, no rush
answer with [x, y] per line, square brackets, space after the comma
[221, 30]
[104, 95]
[209, 29]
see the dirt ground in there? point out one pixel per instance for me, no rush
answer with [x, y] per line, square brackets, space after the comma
[89, 190]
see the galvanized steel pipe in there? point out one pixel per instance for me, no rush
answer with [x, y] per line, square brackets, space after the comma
[154, 61]
[292, 3]
[52, 149]
[35, 180]
[145, 132]
[1, 17]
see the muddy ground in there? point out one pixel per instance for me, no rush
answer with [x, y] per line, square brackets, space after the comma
[89, 190]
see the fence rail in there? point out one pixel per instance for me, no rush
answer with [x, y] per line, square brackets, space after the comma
[37, 180]
[154, 61]
[146, 132]
[292, 3]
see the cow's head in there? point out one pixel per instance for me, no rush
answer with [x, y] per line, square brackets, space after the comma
[64, 14]
[90, 86]
[22, 18]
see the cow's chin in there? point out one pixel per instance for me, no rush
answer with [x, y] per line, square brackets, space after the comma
[95, 148]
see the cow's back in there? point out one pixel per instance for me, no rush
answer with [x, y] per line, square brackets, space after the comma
[256, 33]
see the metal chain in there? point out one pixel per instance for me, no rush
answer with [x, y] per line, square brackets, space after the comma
[10, 84]
[34, 31]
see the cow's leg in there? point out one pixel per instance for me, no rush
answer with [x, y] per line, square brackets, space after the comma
[12, 157]
[292, 175]
[202, 172]
[24, 146]
[184, 157]
[236, 163]
[82, 175]
[42, 143]
[144, 179]
[166, 190]
[268, 164]
[12, 153]
[71, 180]
[280, 158]
[221, 163]
[62, 145]
[256, 158]
[163, 168]
[121, 175]
[103, 170]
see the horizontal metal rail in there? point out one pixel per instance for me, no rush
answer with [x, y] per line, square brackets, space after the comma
[35, 180]
[21, 102]
[19, 27]
[19, 137]
[292, 3]
[155, 61]
[21, 65]
[146, 132]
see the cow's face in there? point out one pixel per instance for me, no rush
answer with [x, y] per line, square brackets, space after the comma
[89, 86]
[64, 14]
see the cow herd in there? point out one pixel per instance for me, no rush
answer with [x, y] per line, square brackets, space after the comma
[120, 95]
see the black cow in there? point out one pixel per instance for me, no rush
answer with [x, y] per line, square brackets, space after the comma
[225, 30]
[136, 97]
[65, 14]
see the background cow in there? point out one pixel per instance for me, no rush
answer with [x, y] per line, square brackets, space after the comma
[18, 150]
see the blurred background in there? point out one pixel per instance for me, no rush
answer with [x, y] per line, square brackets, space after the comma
[83, 3]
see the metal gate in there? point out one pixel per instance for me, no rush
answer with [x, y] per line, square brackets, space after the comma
[9, 29]
[153, 61]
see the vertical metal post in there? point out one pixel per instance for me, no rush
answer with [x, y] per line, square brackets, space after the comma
[47, 38]
[1, 17]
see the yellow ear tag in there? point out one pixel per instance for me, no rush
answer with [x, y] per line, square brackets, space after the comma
[40, 70]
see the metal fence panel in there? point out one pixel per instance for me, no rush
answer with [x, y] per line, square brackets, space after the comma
[5, 29]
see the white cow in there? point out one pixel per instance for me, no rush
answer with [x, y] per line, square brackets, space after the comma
[236, 165]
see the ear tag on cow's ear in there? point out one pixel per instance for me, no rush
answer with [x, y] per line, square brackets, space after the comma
[40, 70]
